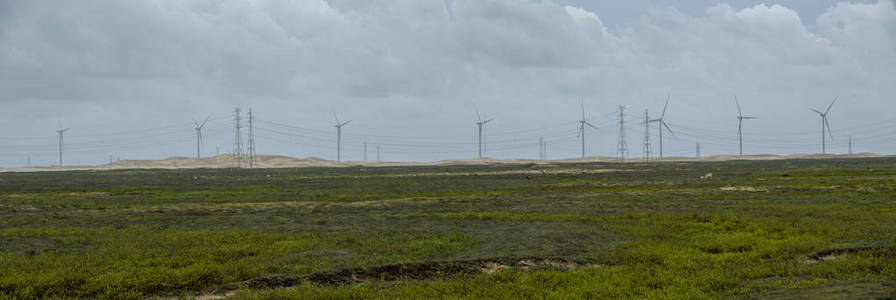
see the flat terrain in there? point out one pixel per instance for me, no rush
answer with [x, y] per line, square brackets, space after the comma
[782, 229]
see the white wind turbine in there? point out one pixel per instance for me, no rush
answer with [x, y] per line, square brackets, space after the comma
[662, 123]
[198, 128]
[61, 131]
[339, 137]
[479, 123]
[582, 123]
[740, 121]
[824, 123]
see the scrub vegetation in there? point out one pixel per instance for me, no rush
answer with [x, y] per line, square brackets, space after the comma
[755, 229]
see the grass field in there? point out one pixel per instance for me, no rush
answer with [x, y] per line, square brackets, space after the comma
[758, 229]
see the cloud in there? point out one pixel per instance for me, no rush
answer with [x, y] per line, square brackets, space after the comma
[415, 68]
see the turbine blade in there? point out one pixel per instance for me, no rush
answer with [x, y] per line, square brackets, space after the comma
[478, 117]
[832, 104]
[203, 122]
[195, 123]
[670, 130]
[739, 112]
[583, 108]
[581, 129]
[592, 126]
[489, 120]
[669, 97]
[826, 124]
[335, 117]
[750, 118]
[655, 120]
[343, 124]
[820, 113]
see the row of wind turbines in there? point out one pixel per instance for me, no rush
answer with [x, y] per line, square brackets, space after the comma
[583, 123]
[661, 124]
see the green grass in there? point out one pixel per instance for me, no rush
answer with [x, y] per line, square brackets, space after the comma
[650, 230]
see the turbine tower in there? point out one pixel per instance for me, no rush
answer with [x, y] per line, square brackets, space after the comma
[740, 121]
[662, 123]
[339, 137]
[850, 148]
[824, 123]
[61, 131]
[582, 124]
[480, 123]
[198, 129]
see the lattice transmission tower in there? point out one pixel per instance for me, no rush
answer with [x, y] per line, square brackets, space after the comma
[621, 147]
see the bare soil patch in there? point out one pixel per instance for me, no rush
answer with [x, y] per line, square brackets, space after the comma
[832, 254]
[441, 269]
[409, 271]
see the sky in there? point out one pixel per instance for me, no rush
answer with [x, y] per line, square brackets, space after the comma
[127, 78]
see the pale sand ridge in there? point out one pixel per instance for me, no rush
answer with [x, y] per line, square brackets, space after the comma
[278, 161]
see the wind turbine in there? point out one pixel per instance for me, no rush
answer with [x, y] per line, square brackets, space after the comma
[824, 123]
[480, 123]
[61, 131]
[339, 137]
[582, 124]
[198, 129]
[740, 120]
[662, 123]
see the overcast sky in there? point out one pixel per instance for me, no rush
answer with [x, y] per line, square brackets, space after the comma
[127, 77]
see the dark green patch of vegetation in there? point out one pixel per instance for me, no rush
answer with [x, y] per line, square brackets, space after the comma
[801, 228]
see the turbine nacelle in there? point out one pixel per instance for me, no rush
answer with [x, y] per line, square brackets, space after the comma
[200, 125]
[483, 122]
[824, 118]
[582, 125]
[479, 118]
[338, 124]
[479, 122]
[584, 121]
[740, 114]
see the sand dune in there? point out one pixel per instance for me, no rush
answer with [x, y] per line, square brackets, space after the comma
[277, 161]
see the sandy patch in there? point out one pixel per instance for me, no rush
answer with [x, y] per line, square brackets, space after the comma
[743, 189]
[278, 161]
